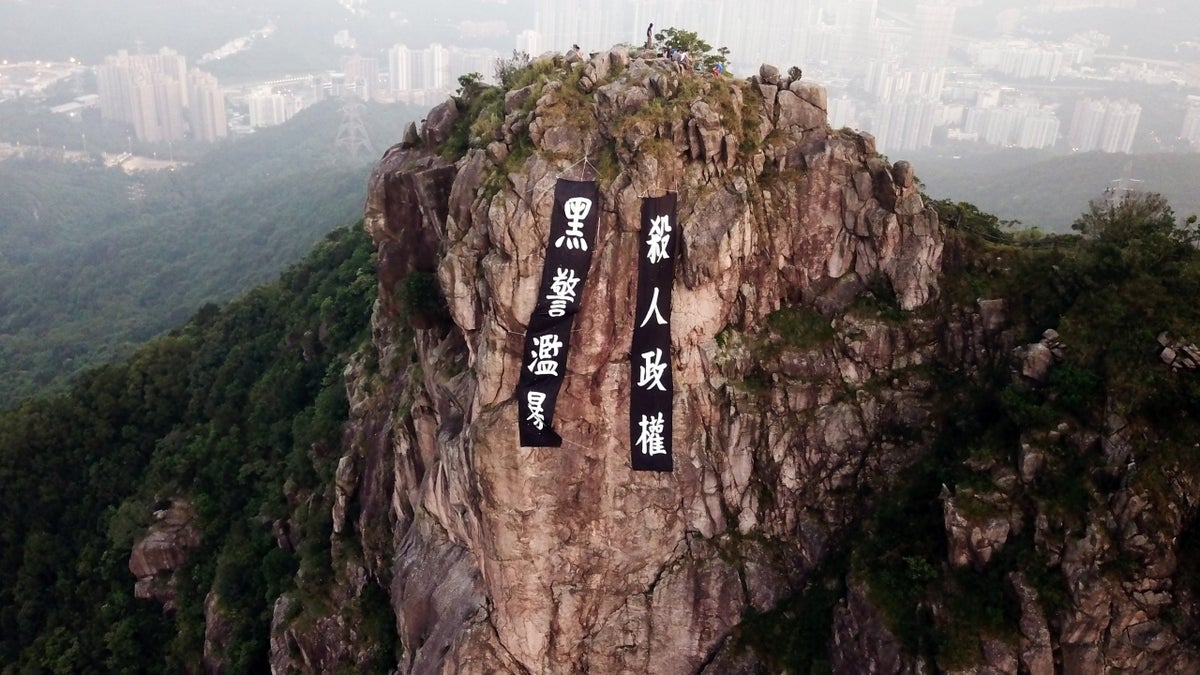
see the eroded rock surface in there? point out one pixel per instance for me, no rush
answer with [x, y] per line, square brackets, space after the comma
[797, 391]
[165, 548]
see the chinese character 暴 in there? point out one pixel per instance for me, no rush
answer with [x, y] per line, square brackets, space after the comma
[562, 291]
[575, 209]
[545, 352]
[653, 311]
[651, 372]
[651, 441]
[660, 236]
[537, 415]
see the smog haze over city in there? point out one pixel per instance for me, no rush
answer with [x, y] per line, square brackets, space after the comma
[980, 94]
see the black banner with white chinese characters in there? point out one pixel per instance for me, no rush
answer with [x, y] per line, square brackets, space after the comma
[650, 359]
[568, 256]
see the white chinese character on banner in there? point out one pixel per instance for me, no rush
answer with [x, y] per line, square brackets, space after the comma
[537, 414]
[651, 441]
[562, 291]
[653, 311]
[651, 372]
[545, 351]
[576, 209]
[660, 236]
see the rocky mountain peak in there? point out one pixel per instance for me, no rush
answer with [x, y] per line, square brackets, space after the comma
[806, 353]
[563, 560]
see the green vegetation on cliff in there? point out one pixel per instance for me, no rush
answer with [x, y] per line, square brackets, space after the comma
[239, 412]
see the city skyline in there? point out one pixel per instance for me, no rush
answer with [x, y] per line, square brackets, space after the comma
[902, 71]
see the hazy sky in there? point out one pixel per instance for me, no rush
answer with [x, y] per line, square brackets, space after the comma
[89, 29]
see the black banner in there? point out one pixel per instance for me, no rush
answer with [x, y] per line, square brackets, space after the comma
[544, 363]
[650, 359]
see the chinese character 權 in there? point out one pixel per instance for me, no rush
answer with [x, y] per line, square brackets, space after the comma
[537, 415]
[545, 355]
[575, 209]
[651, 372]
[660, 236]
[653, 311]
[651, 441]
[562, 291]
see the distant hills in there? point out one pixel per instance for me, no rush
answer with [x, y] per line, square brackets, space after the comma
[1050, 192]
[87, 272]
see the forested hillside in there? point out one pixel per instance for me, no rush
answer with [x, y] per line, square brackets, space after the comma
[94, 262]
[239, 412]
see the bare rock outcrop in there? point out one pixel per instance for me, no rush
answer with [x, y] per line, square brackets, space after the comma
[503, 559]
[510, 559]
[163, 550]
[861, 640]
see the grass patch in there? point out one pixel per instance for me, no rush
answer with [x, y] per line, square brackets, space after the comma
[800, 328]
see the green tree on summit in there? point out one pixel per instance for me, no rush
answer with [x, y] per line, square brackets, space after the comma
[690, 42]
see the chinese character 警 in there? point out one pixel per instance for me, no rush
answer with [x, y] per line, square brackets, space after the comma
[562, 291]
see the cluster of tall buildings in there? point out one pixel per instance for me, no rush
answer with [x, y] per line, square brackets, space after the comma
[1103, 124]
[889, 74]
[426, 75]
[1191, 122]
[274, 103]
[1024, 124]
[157, 96]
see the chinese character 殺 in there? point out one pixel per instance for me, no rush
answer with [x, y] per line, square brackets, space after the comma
[660, 236]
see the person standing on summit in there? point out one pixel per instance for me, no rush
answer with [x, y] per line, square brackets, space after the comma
[650, 35]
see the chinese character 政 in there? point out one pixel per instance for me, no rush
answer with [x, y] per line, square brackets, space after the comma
[562, 291]
[537, 414]
[575, 209]
[545, 354]
[650, 373]
[660, 236]
[652, 441]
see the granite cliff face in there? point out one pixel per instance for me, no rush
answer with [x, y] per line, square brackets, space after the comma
[800, 397]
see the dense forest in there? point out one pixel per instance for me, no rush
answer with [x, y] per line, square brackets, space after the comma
[239, 410]
[93, 262]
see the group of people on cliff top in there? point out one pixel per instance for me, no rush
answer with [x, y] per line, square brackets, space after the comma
[679, 57]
